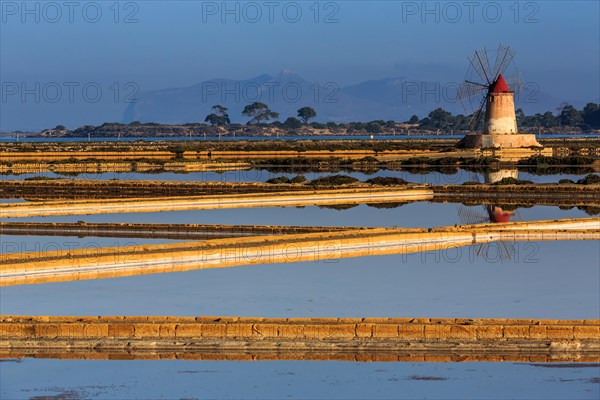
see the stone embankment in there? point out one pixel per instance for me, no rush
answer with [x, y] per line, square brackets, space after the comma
[357, 195]
[99, 167]
[212, 155]
[356, 339]
[93, 189]
[99, 263]
[536, 194]
[155, 231]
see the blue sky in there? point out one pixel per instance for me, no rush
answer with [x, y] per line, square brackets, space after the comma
[158, 44]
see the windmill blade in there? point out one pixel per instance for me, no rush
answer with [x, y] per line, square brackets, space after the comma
[503, 58]
[486, 62]
[502, 251]
[514, 82]
[507, 251]
[519, 216]
[469, 216]
[469, 89]
[476, 117]
[478, 64]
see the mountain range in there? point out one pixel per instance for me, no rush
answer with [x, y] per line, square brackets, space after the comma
[384, 99]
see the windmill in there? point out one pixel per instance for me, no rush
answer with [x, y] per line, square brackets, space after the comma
[488, 85]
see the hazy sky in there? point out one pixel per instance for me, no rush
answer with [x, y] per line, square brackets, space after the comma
[158, 44]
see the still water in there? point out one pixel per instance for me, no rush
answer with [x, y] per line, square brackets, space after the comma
[553, 280]
[262, 175]
[417, 214]
[180, 379]
[541, 280]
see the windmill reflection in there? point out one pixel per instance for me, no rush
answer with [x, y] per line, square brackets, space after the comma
[496, 213]
[497, 251]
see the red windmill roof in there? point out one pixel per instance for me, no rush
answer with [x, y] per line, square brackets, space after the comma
[497, 214]
[499, 85]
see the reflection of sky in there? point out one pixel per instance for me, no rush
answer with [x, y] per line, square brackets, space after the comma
[419, 214]
[553, 280]
[434, 178]
[291, 379]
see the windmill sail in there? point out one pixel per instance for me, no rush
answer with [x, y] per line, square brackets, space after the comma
[504, 57]
[481, 77]
[482, 68]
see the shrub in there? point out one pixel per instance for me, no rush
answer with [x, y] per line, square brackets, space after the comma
[590, 179]
[279, 180]
[368, 160]
[333, 180]
[416, 161]
[565, 181]
[298, 179]
[41, 178]
[512, 181]
[545, 161]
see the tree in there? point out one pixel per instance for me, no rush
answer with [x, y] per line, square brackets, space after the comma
[259, 111]
[591, 115]
[413, 120]
[461, 122]
[292, 123]
[306, 113]
[520, 115]
[569, 116]
[548, 120]
[373, 127]
[440, 118]
[219, 117]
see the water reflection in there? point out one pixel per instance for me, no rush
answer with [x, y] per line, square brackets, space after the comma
[548, 280]
[430, 175]
[493, 214]
[366, 355]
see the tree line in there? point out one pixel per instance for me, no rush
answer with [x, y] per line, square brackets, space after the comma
[566, 115]
[438, 119]
[258, 112]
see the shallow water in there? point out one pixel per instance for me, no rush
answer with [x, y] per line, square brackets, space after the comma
[261, 175]
[180, 379]
[417, 214]
[546, 280]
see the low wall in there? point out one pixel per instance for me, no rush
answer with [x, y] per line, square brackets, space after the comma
[375, 335]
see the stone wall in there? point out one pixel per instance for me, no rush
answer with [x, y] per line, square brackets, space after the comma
[344, 329]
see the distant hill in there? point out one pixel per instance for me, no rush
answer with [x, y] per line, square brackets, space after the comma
[384, 99]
